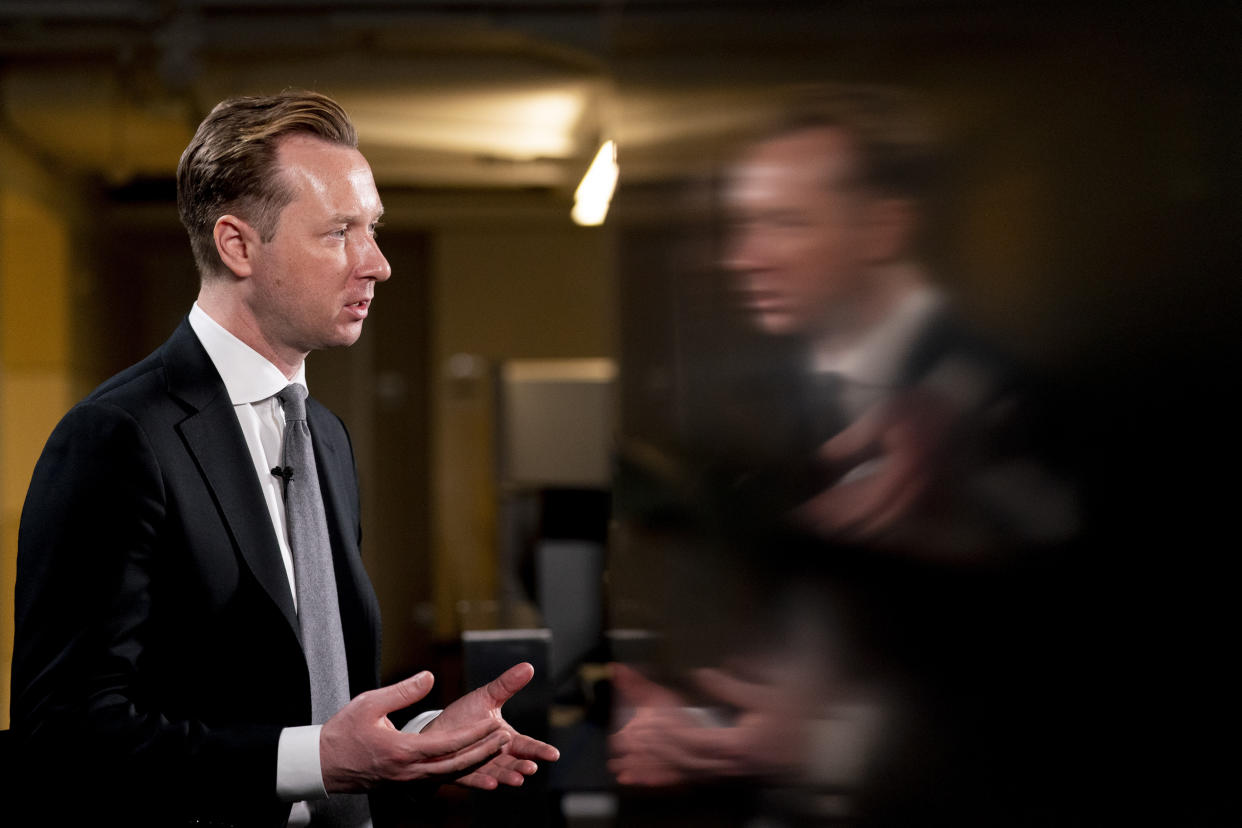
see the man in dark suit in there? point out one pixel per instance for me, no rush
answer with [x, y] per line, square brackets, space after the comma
[878, 495]
[159, 669]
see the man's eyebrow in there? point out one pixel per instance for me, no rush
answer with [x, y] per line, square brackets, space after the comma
[352, 218]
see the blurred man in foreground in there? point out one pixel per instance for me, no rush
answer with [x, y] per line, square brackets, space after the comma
[881, 499]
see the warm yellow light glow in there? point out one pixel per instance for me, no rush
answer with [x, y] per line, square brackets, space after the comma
[594, 194]
[514, 123]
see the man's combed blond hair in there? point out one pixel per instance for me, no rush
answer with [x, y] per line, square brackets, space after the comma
[897, 142]
[230, 165]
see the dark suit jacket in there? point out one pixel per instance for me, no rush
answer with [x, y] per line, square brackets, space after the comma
[156, 656]
[970, 651]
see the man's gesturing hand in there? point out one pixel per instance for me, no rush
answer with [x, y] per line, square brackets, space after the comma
[359, 747]
[893, 459]
[667, 743]
[518, 758]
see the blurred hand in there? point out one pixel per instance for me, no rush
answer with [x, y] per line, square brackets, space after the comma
[359, 747]
[519, 756]
[888, 463]
[667, 743]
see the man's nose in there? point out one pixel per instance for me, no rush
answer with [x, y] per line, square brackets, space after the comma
[373, 264]
[742, 251]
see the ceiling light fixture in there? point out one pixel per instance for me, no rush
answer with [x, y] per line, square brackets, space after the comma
[594, 193]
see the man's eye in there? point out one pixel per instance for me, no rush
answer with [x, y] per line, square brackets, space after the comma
[338, 233]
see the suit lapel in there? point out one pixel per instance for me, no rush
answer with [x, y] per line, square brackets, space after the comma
[214, 438]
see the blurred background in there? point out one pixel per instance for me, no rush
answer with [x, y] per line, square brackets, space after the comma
[1090, 225]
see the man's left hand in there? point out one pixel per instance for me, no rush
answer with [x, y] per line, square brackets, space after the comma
[667, 743]
[519, 757]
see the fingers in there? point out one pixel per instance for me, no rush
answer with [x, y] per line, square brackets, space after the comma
[858, 441]
[418, 766]
[732, 690]
[639, 770]
[397, 696]
[506, 764]
[908, 435]
[899, 497]
[511, 767]
[479, 781]
[627, 681]
[634, 688]
[649, 775]
[649, 756]
[503, 769]
[452, 741]
[701, 752]
[836, 509]
[868, 505]
[663, 751]
[359, 747]
[503, 687]
[527, 748]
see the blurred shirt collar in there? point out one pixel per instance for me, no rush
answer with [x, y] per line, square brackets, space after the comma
[876, 357]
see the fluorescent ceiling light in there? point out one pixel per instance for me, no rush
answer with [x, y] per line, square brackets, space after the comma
[594, 194]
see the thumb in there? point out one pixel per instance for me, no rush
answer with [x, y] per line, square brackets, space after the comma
[503, 687]
[402, 694]
[632, 686]
[858, 441]
[730, 689]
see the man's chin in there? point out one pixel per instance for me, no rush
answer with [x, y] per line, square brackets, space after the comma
[774, 323]
[341, 339]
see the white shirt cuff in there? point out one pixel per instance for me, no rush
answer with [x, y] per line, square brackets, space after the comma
[298, 775]
[416, 724]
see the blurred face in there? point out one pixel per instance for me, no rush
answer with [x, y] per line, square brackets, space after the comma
[795, 246]
[313, 283]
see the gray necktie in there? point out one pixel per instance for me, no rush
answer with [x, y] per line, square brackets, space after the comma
[319, 615]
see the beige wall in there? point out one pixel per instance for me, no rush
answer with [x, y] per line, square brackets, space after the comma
[37, 378]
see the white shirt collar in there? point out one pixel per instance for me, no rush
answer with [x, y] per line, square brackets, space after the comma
[877, 356]
[247, 375]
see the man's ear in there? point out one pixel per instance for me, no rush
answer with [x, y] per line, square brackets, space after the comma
[236, 243]
[890, 227]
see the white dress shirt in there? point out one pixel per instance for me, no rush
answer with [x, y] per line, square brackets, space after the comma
[252, 384]
[868, 365]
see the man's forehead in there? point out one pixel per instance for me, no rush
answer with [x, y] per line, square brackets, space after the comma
[325, 168]
[822, 156]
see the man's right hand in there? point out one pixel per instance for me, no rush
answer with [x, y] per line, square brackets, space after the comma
[892, 462]
[359, 747]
